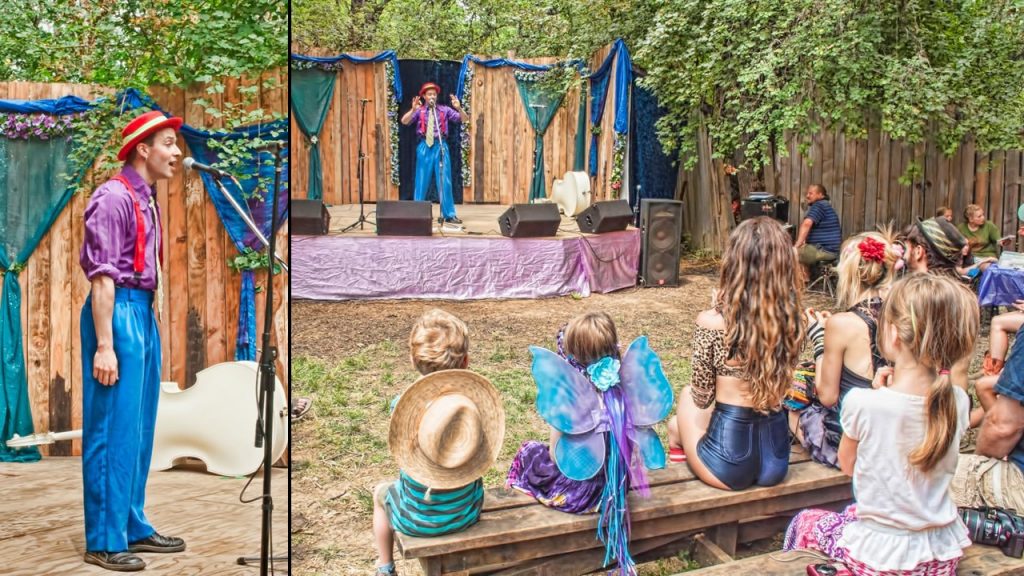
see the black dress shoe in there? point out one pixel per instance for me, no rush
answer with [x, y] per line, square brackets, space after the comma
[116, 561]
[158, 543]
[454, 220]
[440, 220]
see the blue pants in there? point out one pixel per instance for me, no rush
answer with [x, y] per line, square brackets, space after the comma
[429, 165]
[118, 423]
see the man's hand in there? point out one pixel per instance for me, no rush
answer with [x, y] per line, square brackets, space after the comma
[104, 366]
[417, 103]
[455, 102]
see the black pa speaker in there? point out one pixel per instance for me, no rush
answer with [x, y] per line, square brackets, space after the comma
[403, 218]
[308, 217]
[662, 224]
[605, 217]
[530, 220]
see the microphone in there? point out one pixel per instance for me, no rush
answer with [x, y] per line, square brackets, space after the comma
[365, 100]
[191, 164]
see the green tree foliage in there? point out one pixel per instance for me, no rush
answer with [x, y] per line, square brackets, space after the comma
[140, 43]
[446, 29]
[755, 71]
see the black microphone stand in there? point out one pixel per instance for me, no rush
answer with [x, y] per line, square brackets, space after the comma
[267, 367]
[359, 170]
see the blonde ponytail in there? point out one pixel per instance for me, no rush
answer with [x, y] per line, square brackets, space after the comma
[940, 407]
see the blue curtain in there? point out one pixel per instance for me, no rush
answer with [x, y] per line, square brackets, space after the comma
[258, 169]
[381, 57]
[34, 189]
[599, 89]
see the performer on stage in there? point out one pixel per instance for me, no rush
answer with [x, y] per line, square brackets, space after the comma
[433, 159]
[121, 256]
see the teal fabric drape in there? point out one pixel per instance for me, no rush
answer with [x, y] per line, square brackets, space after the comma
[311, 92]
[579, 161]
[541, 104]
[33, 191]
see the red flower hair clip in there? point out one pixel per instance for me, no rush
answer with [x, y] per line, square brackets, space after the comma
[871, 250]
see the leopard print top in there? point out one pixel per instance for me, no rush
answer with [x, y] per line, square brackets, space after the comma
[708, 362]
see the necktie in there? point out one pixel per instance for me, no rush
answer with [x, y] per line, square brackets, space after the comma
[431, 120]
[156, 251]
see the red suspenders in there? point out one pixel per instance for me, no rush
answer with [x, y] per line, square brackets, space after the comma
[140, 227]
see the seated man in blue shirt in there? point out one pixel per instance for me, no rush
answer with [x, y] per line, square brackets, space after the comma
[820, 234]
[985, 478]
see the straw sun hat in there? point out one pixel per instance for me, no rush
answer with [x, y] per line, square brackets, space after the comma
[447, 428]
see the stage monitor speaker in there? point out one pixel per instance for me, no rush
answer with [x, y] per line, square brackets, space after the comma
[605, 217]
[403, 218]
[308, 217]
[530, 221]
[662, 224]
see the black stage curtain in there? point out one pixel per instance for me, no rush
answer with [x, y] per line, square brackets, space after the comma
[415, 73]
[651, 168]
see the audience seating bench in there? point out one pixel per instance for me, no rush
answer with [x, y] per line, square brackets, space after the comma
[518, 536]
[977, 561]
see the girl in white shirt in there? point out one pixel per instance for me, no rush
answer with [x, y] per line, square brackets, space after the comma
[900, 441]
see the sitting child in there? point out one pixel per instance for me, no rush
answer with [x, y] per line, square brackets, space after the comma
[591, 462]
[730, 421]
[900, 441]
[439, 489]
[845, 344]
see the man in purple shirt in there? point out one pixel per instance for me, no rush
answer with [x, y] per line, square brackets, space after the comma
[433, 159]
[121, 256]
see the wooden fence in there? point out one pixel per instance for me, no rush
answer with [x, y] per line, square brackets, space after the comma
[863, 180]
[200, 317]
[501, 151]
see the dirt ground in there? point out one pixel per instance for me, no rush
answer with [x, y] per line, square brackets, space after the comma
[352, 357]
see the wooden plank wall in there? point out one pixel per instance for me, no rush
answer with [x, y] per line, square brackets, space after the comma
[501, 154]
[862, 177]
[201, 307]
[339, 138]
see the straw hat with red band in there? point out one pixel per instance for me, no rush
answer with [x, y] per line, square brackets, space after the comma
[142, 126]
[429, 86]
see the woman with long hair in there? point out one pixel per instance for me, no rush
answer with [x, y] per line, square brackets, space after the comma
[730, 420]
[846, 355]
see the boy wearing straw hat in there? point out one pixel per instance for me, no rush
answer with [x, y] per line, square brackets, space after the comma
[446, 430]
[121, 257]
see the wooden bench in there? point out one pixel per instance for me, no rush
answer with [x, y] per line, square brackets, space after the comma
[977, 561]
[516, 535]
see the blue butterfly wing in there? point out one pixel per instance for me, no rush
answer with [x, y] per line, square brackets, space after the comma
[580, 456]
[651, 450]
[645, 385]
[565, 398]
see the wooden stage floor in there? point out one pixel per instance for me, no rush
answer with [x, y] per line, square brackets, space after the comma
[42, 531]
[478, 220]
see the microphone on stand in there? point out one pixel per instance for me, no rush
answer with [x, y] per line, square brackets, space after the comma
[191, 164]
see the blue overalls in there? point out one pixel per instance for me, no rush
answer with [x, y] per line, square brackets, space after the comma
[118, 422]
[435, 162]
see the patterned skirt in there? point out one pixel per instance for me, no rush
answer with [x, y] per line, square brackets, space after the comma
[533, 472]
[821, 530]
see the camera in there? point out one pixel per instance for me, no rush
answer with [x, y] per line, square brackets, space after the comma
[828, 570]
[995, 526]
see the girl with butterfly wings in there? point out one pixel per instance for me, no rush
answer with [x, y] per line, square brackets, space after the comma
[601, 407]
